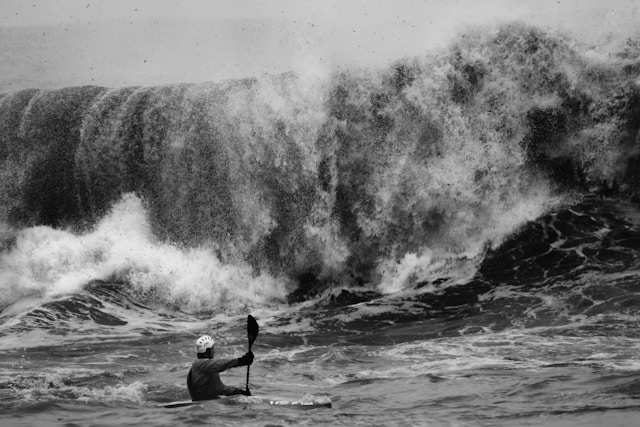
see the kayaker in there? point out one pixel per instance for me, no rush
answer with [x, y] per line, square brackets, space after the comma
[203, 380]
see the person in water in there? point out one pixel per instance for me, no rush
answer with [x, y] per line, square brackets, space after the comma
[204, 381]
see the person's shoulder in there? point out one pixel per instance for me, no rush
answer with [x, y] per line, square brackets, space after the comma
[200, 362]
[205, 362]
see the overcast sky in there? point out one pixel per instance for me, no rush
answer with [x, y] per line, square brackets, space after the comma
[127, 42]
[325, 12]
[336, 12]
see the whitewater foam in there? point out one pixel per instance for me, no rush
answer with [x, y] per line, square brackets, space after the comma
[46, 263]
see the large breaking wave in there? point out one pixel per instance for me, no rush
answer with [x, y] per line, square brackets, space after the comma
[382, 178]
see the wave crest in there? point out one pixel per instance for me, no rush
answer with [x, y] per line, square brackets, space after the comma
[332, 178]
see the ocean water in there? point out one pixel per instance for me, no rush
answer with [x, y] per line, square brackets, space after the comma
[451, 241]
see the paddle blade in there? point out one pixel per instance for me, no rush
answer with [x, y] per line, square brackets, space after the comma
[252, 330]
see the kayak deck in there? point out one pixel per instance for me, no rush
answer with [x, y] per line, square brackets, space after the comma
[301, 404]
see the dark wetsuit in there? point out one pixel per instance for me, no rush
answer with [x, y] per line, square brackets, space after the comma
[204, 381]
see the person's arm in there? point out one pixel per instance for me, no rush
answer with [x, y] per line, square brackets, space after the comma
[224, 364]
[219, 365]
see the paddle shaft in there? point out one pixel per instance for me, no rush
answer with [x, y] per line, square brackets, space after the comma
[248, 366]
[252, 334]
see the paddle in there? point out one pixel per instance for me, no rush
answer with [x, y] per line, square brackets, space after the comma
[252, 334]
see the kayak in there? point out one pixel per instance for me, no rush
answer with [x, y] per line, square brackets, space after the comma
[252, 334]
[301, 404]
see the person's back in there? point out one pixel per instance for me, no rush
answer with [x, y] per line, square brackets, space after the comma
[204, 380]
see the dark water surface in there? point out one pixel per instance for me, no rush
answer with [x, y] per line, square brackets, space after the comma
[558, 350]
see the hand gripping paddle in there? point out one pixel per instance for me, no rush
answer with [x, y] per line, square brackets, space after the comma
[252, 334]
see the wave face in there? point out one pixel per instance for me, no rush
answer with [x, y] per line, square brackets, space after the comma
[362, 177]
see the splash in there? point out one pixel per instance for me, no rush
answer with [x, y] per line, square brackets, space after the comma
[46, 263]
[383, 178]
[63, 384]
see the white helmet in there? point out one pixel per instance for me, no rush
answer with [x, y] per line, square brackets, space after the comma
[203, 343]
